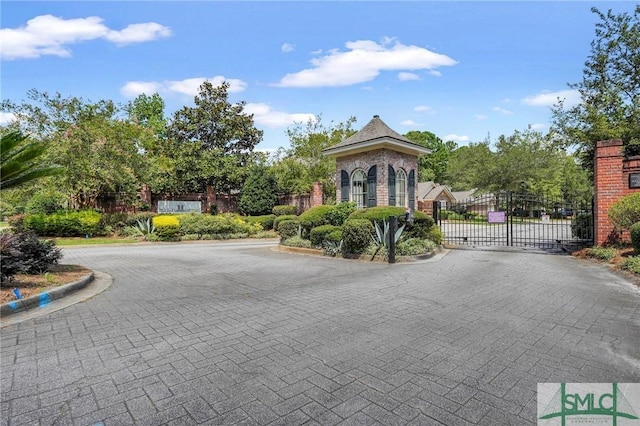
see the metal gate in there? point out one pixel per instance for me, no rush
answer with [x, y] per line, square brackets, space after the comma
[516, 219]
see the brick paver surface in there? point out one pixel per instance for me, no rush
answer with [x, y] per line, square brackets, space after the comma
[228, 333]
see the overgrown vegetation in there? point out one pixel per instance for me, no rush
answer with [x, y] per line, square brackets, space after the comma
[601, 253]
[25, 253]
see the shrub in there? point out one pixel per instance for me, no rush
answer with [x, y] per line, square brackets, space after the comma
[435, 235]
[213, 209]
[626, 211]
[64, 224]
[285, 210]
[314, 217]
[601, 253]
[635, 237]
[278, 219]
[379, 213]
[340, 213]
[414, 247]
[16, 222]
[335, 236]
[356, 234]
[582, 226]
[332, 248]
[133, 218]
[7, 210]
[297, 241]
[117, 221]
[631, 264]
[420, 226]
[167, 227]
[258, 195]
[26, 253]
[46, 203]
[288, 228]
[265, 221]
[319, 234]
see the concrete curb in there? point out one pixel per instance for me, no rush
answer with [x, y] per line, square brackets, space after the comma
[437, 254]
[43, 299]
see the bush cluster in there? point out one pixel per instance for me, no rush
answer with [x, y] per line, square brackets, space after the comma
[24, 252]
[601, 253]
[64, 224]
[626, 211]
[278, 219]
[265, 221]
[320, 234]
[284, 210]
[167, 227]
[356, 235]
[414, 247]
[374, 214]
[314, 217]
[635, 237]
[288, 228]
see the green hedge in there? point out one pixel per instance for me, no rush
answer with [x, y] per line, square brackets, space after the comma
[265, 221]
[420, 227]
[635, 237]
[314, 217]
[278, 219]
[356, 235]
[288, 228]
[222, 224]
[64, 224]
[340, 213]
[319, 234]
[374, 214]
[285, 210]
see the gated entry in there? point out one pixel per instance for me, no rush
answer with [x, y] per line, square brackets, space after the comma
[516, 219]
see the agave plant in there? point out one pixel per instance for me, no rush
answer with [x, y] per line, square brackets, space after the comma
[382, 237]
[146, 228]
[332, 248]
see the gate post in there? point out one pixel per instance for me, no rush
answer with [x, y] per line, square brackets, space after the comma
[509, 218]
[436, 211]
[393, 226]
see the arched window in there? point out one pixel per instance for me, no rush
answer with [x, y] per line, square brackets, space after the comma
[359, 188]
[401, 188]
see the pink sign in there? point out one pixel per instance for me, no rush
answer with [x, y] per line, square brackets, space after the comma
[496, 217]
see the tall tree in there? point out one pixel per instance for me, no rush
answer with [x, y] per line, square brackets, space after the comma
[432, 166]
[303, 163]
[220, 136]
[609, 90]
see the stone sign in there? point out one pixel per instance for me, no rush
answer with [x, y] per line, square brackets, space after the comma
[165, 206]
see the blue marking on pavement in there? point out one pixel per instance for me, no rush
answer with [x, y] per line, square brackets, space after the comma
[45, 299]
[13, 305]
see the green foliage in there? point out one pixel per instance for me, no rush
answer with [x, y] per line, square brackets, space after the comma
[420, 227]
[146, 228]
[356, 234]
[285, 210]
[288, 228]
[26, 253]
[315, 216]
[610, 105]
[631, 264]
[258, 194]
[7, 209]
[219, 225]
[22, 161]
[378, 213]
[601, 253]
[432, 167]
[64, 224]
[278, 219]
[318, 235]
[334, 236]
[265, 221]
[626, 211]
[46, 202]
[635, 237]
[582, 226]
[340, 213]
[435, 234]
[414, 247]
[167, 228]
[213, 209]
[216, 141]
[332, 248]
[297, 241]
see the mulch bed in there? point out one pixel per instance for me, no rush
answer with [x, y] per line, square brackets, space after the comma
[30, 285]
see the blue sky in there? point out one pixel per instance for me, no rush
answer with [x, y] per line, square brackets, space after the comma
[462, 70]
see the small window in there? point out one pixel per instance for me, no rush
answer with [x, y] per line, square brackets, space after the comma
[401, 188]
[359, 188]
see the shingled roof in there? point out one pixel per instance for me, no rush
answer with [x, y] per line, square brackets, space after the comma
[376, 134]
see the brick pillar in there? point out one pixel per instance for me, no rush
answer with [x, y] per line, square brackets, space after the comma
[317, 197]
[211, 198]
[145, 195]
[609, 186]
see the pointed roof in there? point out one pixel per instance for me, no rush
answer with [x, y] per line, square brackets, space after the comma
[375, 135]
[431, 191]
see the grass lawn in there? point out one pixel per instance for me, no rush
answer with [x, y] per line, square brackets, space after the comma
[79, 241]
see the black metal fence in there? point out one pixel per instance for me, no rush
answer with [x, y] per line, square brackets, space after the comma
[517, 219]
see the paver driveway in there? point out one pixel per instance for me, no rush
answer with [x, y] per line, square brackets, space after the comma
[226, 333]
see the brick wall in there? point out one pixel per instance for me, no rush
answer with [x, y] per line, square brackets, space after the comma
[611, 181]
[381, 158]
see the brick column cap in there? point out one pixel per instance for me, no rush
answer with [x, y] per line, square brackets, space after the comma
[610, 142]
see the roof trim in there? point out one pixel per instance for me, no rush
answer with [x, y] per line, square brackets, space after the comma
[378, 143]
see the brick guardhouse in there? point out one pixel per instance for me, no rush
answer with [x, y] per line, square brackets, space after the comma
[377, 167]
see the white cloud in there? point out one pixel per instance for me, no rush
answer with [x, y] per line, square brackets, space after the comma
[411, 123]
[539, 126]
[481, 117]
[423, 108]
[363, 61]
[187, 86]
[502, 111]
[456, 138]
[548, 99]
[435, 73]
[288, 47]
[264, 115]
[50, 35]
[406, 76]
[7, 117]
